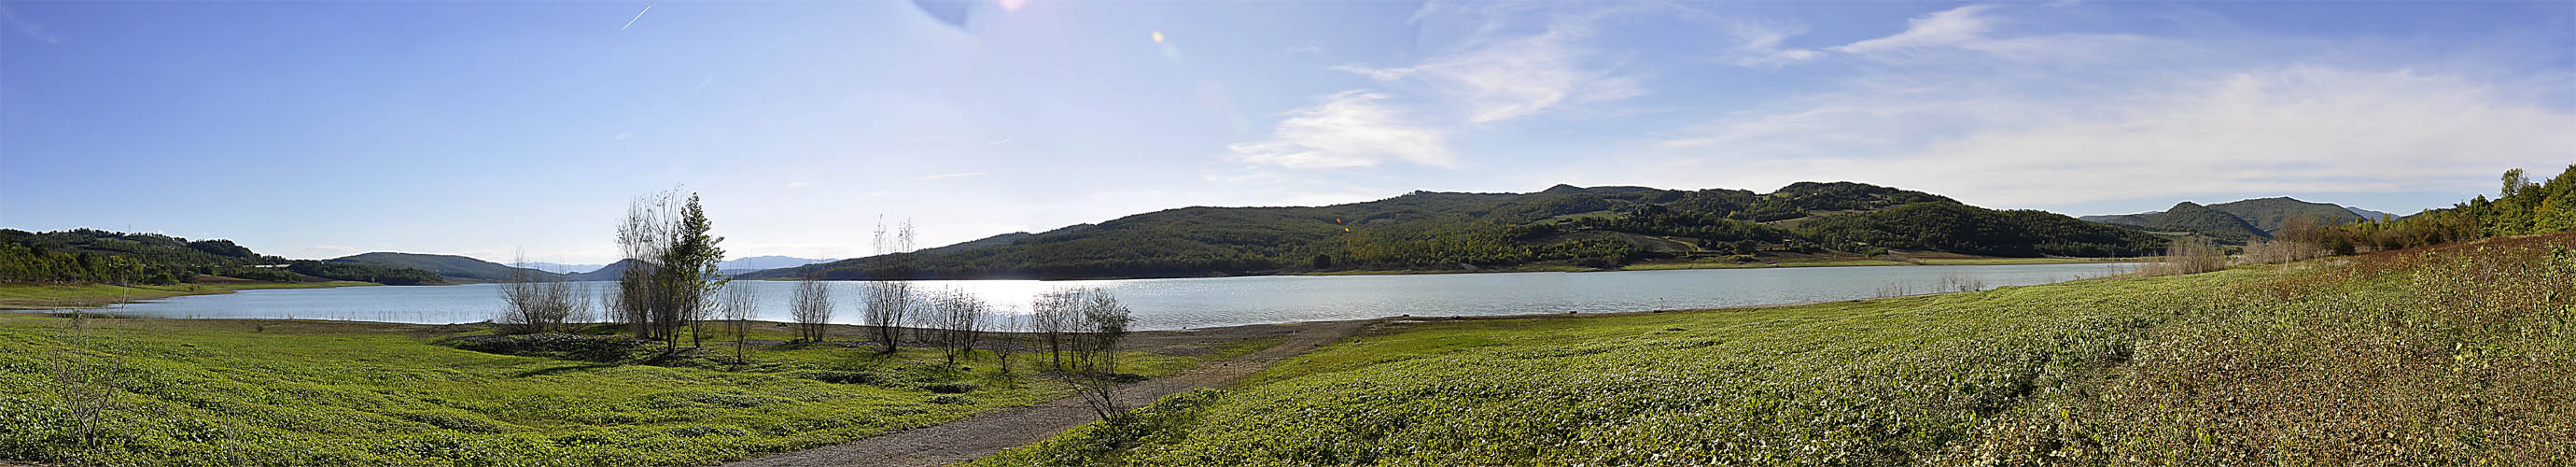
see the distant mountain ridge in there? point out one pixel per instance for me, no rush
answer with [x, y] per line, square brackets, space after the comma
[1562, 226]
[2239, 221]
[756, 263]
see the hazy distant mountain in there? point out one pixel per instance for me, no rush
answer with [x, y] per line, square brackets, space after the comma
[2369, 214]
[1595, 227]
[562, 268]
[604, 273]
[451, 266]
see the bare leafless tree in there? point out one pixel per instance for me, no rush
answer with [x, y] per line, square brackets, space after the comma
[812, 309]
[1092, 370]
[1051, 315]
[739, 303]
[891, 298]
[536, 301]
[1007, 337]
[960, 317]
[83, 380]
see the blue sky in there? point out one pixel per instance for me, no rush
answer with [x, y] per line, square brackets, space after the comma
[318, 129]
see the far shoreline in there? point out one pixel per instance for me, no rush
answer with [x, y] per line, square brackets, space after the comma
[1661, 266]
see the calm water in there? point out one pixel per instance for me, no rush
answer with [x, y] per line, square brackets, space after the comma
[1190, 303]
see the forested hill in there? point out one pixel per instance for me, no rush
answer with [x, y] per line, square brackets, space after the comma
[99, 256]
[1563, 225]
[455, 267]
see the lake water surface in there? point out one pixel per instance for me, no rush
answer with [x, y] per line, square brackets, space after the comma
[1225, 301]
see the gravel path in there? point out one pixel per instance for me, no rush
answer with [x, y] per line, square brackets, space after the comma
[990, 433]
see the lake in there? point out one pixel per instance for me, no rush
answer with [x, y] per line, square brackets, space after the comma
[1226, 301]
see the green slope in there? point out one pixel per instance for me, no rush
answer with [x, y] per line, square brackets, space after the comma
[452, 266]
[2453, 356]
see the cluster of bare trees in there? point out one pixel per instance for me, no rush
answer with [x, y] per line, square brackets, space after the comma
[671, 283]
[1082, 328]
[811, 307]
[890, 297]
[958, 318]
[537, 302]
[670, 269]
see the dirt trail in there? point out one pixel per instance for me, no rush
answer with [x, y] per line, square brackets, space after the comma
[983, 435]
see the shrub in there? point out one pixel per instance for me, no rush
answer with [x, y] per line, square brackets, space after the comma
[950, 388]
[2188, 257]
[2280, 251]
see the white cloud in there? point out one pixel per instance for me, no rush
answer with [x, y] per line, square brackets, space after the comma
[798, 184]
[951, 175]
[1347, 129]
[1950, 27]
[1496, 80]
[1758, 43]
[2273, 130]
[29, 28]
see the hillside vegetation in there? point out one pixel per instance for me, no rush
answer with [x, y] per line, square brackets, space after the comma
[451, 266]
[98, 256]
[2193, 218]
[2240, 222]
[1595, 227]
[2277, 213]
[2454, 355]
[2520, 207]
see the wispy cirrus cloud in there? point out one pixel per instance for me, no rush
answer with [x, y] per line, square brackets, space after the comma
[1347, 129]
[1950, 27]
[1485, 78]
[1503, 79]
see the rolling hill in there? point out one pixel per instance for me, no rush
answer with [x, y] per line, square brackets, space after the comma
[2191, 217]
[2242, 220]
[1562, 226]
[2271, 214]
[450, 266]
[96, 256]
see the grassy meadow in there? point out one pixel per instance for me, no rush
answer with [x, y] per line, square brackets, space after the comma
[277, 392]
[2454, 355]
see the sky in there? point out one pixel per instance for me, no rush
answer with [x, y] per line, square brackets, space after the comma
[494, 129]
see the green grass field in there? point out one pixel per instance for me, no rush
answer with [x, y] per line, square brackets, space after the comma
[51, 296]
[274, 392]
[2458, 355]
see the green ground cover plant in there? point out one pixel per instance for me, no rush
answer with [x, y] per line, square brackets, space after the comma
[2454, 355]
[278, 392]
